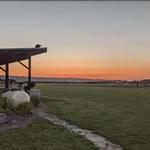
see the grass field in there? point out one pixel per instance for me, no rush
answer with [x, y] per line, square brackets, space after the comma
[41, 135]
[120, 114]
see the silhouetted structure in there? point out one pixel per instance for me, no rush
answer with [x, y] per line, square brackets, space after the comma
[11, 55]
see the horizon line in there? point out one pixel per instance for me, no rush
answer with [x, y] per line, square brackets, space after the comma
[82, 78]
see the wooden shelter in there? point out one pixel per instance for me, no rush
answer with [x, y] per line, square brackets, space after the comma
[12, 55]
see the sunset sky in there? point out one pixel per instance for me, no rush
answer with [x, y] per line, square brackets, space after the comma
[85, 39]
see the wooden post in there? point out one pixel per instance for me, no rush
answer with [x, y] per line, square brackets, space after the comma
[29, 73]
[7, 76]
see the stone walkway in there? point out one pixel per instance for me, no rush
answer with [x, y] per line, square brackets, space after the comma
[99, 141]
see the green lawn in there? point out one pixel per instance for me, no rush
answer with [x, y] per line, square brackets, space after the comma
[120, 114]
[41, 135]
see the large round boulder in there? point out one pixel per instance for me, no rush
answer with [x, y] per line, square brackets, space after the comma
[17, 97]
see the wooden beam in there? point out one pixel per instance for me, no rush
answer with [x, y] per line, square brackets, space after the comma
[2, 69]
[23, 65]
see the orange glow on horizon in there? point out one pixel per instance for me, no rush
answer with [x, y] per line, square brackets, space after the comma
[128, 73]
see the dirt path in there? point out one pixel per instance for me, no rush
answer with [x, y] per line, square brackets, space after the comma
[17, 121]
[97, 140]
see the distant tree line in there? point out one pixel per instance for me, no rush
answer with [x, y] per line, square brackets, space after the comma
[144, 81]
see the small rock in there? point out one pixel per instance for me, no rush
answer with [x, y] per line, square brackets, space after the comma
[13, 121]
[3, 118]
